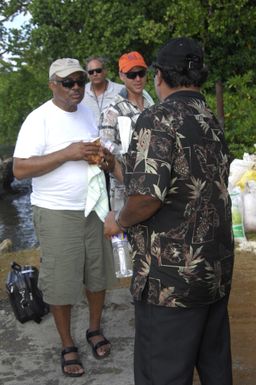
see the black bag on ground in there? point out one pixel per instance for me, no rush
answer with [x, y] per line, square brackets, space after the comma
[25, 297]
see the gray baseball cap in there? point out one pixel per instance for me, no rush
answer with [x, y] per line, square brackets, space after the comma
[64, 67]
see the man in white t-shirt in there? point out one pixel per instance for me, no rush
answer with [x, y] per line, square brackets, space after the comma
[55, 148]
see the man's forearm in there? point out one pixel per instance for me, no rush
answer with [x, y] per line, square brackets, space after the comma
[40, 165]
[37, 165]
[138, 208]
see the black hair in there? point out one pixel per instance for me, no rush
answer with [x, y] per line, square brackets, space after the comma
[178, 76]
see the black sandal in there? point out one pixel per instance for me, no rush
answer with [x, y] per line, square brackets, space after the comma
[70, 349]
[95, 347]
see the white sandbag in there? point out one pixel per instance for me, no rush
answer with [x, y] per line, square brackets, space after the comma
[237, 168]
[248, 176]
[237, 215]
[250, 157]
[249, 199]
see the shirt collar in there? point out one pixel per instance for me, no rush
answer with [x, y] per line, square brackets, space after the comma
[186, 94]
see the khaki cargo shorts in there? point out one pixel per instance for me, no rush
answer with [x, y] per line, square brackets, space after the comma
[74, 255]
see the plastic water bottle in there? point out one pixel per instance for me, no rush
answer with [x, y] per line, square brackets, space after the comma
[121, 252]
[122, 258]
[118, 198]
[111, 146]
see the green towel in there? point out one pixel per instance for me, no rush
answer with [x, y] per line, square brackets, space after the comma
[97, 197]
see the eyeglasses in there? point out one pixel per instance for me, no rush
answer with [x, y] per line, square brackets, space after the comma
[69, 83]
[97, 70]
[134, 74]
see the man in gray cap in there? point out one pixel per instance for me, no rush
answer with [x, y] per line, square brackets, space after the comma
[178, 217]
[56, 148]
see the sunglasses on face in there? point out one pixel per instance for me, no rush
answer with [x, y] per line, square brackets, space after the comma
[69, 83]
[134, 74]
[97, 70]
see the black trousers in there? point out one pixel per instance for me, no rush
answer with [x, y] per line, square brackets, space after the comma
[171, 342]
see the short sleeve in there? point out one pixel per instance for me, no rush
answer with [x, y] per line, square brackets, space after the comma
[31, 138]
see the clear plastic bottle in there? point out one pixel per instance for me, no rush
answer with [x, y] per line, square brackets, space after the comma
[117, 201]
[111, 146]
[122, 257]
[121, 248]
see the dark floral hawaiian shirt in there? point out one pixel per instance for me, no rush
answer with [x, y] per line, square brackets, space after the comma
[183, 255]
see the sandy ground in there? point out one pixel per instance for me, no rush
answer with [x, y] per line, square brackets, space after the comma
[30, 353]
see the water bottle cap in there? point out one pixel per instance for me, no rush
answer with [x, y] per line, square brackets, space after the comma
[119, 237]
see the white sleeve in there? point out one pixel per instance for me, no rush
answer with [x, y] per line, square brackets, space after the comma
[31, 138]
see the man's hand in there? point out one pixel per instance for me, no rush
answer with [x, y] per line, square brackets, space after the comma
[110, 164]
[137, 209]
[108, 160]
[110, 225]
[89, 151]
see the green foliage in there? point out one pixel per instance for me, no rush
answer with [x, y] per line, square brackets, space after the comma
[9, 42]
[20, 92]
[227, 29]
[83, 28]
[80, 28]
[240, 113]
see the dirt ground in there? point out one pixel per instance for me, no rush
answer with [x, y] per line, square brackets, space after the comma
[242, 309]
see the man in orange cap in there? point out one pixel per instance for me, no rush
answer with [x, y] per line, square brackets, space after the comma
[129, 103]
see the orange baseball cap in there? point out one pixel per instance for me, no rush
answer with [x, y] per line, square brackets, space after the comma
[129, 60]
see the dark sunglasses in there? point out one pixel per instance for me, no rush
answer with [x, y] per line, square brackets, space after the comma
[97, 70]
[69, 83]
[134, 74]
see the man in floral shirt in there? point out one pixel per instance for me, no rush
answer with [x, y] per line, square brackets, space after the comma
[179, 218]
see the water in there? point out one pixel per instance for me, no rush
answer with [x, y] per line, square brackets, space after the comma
[122, 257]
[16, 217]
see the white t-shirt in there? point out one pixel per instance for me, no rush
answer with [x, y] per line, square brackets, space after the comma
[46, 130]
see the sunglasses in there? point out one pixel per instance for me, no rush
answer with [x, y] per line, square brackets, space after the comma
[97, 70]
[69, 83]
[134, 74]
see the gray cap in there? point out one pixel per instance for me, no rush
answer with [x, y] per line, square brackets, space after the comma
[64, 67]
